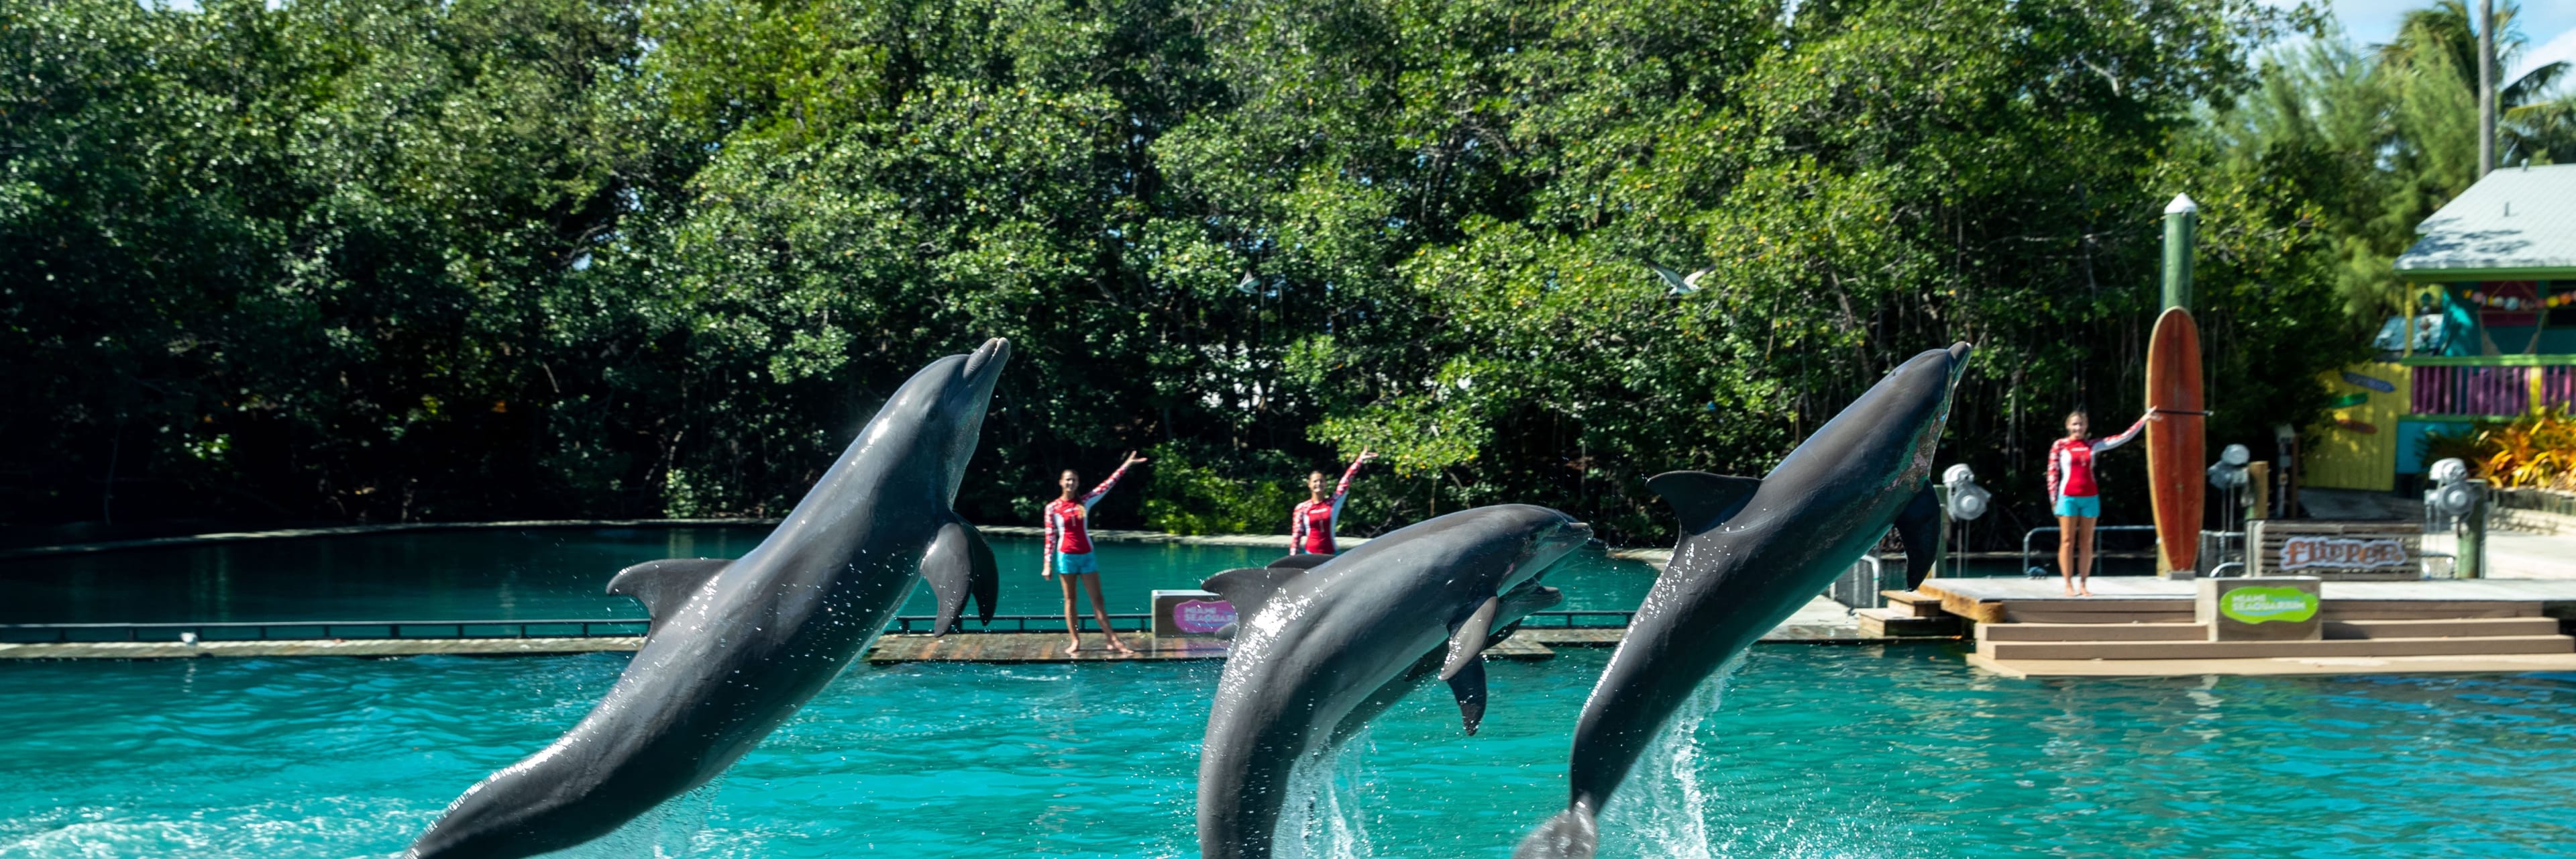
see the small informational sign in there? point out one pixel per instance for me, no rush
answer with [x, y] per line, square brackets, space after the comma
[2280, 608]
[1185, 618]
[2335, 551]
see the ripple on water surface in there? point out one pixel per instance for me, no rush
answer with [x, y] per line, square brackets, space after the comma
[1816, 751]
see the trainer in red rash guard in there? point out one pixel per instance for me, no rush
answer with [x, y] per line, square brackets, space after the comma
[1311, 525]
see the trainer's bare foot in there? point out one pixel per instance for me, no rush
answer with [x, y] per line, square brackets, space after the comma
[2070, 590]
[1121, 646]
[2088, 590]
[1073, 648]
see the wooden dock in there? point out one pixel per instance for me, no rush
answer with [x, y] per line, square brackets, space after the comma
[2138, 626]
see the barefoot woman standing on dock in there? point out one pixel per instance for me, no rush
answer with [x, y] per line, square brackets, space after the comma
[1068, 551]
[2076, 499]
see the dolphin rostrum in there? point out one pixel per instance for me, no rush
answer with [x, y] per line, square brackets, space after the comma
[1752, 552]
[1319, 651]
[736, 647]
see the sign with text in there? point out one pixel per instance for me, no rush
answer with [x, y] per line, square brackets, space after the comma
[2346, 551]
[2283, 608]
[1184, 618]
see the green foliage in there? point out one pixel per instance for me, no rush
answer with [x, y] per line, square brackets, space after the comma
[1188, 497]
[2379, 139]
[398, 259]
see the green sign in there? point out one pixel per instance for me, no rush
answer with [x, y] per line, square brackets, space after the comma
[2256, 605]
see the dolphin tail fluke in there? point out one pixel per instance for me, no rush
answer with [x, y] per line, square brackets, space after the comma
[1250, 587]
[960, 566]
[1571, 834]
[1919, 525]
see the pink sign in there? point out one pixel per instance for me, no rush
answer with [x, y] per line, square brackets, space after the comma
[1201, 617]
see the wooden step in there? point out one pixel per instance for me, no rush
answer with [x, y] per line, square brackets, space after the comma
[1914, 604]
[2092, 632]
[2456, 627]
[1897, 623]
[2105, 611]
[2272, 649]
[2424, 609]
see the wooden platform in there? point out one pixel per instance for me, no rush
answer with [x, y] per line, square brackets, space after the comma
[2497, 664]
[2143, 627]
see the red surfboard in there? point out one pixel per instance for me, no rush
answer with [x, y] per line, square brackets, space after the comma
[2175, 443]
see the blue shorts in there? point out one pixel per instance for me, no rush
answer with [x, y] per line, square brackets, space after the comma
[1069, 564]
[2089, 506]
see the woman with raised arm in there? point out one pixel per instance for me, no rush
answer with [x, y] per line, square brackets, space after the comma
[1068, 551]
[2076, 498]
[1311, 525]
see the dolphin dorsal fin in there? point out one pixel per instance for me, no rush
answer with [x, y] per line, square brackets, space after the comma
[1300, 561]
[1701, 499]
[960, 565]
[665, 585]
[1251, 587]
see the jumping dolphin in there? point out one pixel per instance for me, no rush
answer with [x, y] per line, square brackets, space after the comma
[1317, 647]
[1752, 552]
[736, 647]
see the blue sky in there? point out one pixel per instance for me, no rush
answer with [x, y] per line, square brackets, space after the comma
[2549, 24]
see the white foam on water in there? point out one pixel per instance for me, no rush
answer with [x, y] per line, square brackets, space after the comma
[669, 831]
[1662, 809]
[1326, 815]
[1681, 802]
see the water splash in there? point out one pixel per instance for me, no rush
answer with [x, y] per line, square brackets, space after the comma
[1326, 816]
[669, 831]
[1662, 810]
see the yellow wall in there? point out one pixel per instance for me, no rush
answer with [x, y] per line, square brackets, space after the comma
[2341, 458]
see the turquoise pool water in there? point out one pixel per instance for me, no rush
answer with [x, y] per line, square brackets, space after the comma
[500, 574]
[1815, 752]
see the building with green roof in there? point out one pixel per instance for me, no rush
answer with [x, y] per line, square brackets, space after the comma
[2494, 275]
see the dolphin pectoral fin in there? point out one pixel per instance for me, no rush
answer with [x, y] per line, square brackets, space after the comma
[1469, 687]
[1250, 587]
[1701, 499]
[664, 585]
[1467, 642]
[960, 566]
[1300, 561]
[1919, 525]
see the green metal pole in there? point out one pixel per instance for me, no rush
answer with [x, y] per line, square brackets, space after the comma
[2181, 216]
[2469, 559]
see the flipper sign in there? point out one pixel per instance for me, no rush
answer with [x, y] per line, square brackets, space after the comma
[2259, 604]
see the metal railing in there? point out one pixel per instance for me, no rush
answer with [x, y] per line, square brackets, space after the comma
[2034, 571]
[1859, 586]
[61, 633]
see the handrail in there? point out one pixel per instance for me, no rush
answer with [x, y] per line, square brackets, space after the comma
[310, 630]
[2033, 571]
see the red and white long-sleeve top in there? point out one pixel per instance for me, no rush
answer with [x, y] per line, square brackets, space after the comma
[1311, 525]
[2070, 463]
[1068, 523]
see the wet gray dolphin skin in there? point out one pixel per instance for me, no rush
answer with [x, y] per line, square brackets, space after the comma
[737, 646]
[1320, 650]
[1752, 552]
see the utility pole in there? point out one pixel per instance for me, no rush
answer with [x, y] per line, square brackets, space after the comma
[2180, 217]
[2486, 88]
